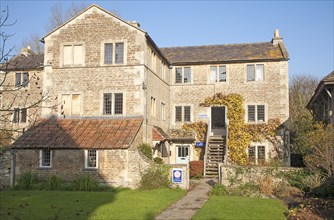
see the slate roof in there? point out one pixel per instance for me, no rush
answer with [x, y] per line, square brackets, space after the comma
[158, 134]
[22, 62]
[80, 134]
[226, 53]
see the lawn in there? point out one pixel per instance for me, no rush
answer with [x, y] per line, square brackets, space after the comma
[122, 204]
[232, 207]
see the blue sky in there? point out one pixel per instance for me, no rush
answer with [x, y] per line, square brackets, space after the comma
[306, 26]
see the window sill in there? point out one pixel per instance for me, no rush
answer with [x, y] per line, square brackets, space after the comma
[44, 168]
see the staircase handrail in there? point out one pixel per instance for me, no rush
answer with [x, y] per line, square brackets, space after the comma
[206, 146]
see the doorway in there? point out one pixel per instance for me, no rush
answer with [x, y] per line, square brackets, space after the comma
[218, 120]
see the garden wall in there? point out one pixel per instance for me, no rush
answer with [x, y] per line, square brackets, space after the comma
[5, 168]
[231, 174]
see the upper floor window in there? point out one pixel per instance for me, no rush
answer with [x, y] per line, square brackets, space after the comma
[153, 107]
[71, 104]
[45, 158]
[91, 159]
[182, 113]
[113, 103]
[20, 115]
[256, 113]
[163, 107]
[21, 79]
[182, 75]
[113, 53]
[255, 72]
[218, 73]
[73, 55]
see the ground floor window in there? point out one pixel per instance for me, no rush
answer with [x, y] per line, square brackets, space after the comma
[45, 158]
[257, 154]
[91, 159]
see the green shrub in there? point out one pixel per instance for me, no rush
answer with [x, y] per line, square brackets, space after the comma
[146, 150]
[85, 182]
[218, 190]
[196, 169]
[158, 160]
[54, 183]
[326, 189]
[157, 176]
[312, 181]
[297, 178]
[26, 181]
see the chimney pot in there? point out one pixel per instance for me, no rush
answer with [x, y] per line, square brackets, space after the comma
[276, 39]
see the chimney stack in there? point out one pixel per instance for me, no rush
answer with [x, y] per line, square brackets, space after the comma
[26, 51]
[276, 39]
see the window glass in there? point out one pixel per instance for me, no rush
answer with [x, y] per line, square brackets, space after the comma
[178, 75]
[17, 79]
[107, 101]
[108, 51]
[76, 107]
[66, 104]
[259, 72]
[46, 158]
[187, 75]
[261, 154]
[222, 74]
[186, 113]
[91, 159]
[213, 73]
[23, 115]
[25, 79]
[251, 113]
[250, 73]
[119, 52]
[67, 59]
[251, 154]
[260, 113]
[16, 115]
[178, 113]
[77, 54]
[118, 103]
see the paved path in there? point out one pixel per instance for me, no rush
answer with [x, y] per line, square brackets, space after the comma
[186, 207]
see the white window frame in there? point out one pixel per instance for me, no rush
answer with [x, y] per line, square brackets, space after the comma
[256, 77]
[112, 103]
[256, 146]
[163, 111]
[182, 113]
[18, 115]
[41, 159]
[21, 77]
[72, 45]
[153, 106]
[86, 159]
[114, 42]
[217, 75]
[256, 113]
[71, 103]
[182, 75]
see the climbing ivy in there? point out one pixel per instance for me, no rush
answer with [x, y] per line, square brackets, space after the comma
[200, 128]
[240, 135]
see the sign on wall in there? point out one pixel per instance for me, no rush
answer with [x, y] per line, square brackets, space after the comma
[177, 176]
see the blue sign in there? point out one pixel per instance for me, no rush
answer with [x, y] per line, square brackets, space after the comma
[199, 144]
[177, 175]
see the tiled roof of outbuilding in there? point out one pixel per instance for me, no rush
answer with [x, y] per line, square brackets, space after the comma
[22, 62]
[80, 134]
[226, 53]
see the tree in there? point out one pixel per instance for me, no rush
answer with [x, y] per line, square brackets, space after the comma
[33, 41]
[16, 97]
[300, 122]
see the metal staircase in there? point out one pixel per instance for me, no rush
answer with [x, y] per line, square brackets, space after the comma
[215, 153]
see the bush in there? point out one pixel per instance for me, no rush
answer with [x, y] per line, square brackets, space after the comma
[326, 189]
[146, 150]
[282, 191]
[54, 183]
[218, 190]
[157, 176]
[266, 185]
[158, 160]
[196, 169]
[26, 181]
[85, 182]
[297, 178]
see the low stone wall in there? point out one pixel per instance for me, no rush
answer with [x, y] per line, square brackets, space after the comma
[234, 175]
[5, 168]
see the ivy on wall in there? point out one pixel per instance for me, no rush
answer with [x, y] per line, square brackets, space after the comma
[240, 134]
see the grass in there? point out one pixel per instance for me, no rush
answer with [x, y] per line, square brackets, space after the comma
[232, 207]
[120, 204]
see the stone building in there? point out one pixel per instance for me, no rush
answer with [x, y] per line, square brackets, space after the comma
[102, 72]
[321, 103]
